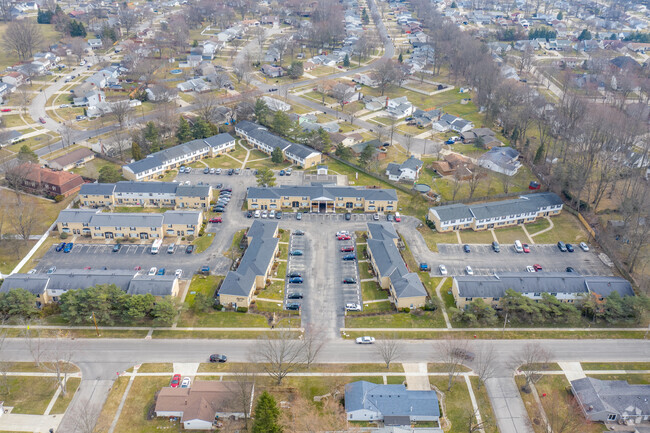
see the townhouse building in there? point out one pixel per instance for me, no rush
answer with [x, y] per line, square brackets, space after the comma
[238, 288]
[104, 225]
[145, 194]
[323, 198]
[260, 138]
[483, 216]
[40, 180]
[404, 287]
[156, 164]
[564, 286]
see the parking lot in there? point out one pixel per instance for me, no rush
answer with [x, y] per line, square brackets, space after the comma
[348, 269]
[298, 265]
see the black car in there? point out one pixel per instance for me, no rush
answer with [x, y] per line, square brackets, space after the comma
[294, 274]
[293, 306]
[570, 269]
[278, 215]
[299, 233]
[227, 190]
[218, 209]
[230, 171]
[348, 216]
[349, 281]
[294, 295]
[206, 170]
[495, 247]
[218, 358]
[117, 247]
[189, 249]
[249, 214]
[219, 186]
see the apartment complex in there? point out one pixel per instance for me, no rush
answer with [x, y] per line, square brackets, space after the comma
[260, 138]
[146, 194]
[323, 198]
[239, 286]
[156, 164]
[105, 225]
[482, 216]
[565, 286]
[49, 288]
[405, 288]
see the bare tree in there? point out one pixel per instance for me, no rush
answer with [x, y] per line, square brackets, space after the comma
[242, 70]
[121, 111]
[67, 134]
[207, 106]
[386, 73]
[452, 354]
[24, 218]
[280, 354]
[307, 417]
[456, 185]
[22, 37]
[58, 360]
[472, 423]
[525, 62]
[564, 415]
[313, 340]
[485, 364]
[388, 348]
[531, 361]
[122, 141]
[477, 174]
[408, 141]
[77, 47]
[128, 19]
[506, 181]
[242, 388]
[24, 98]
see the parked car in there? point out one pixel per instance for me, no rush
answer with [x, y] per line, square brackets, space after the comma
[530, 269]
[189, 249]
[442, 269]
[213, 170]
[178, 273]
[570, 269]
[181, 169]
[186, 382]
[219, 209]
[299, 216]
[294, 295]
[278, 215]
[299, 233]
[271, 214]
[375, 217]
[265, 214]
[389, 217]
[293, 306]
[68, 247]
[8, 110]
[51, 270]
[537, 267]
[495, 247]
[365, 340]
[152, 271]
[171, 248]
[349, 257]
[526, 248]
[353, 307]
[348, 216]
[237, 170]
[218, 171]
[117, 247]
[466, 248]
[60, 247]
[216, 220]
[349, 281]
[230, 171]
[398, 217]
[257, 214]
[296, 280]
[281, 173]
[296, 253]
[218, 358]
[40, 119]
[583, 246]
[347, 249]
[206, 170]
[294, 274]
[569, 248]
[161, 271]
[249, 214]
[469, 270]
[561, 246]
[176, 381]
[343, 237]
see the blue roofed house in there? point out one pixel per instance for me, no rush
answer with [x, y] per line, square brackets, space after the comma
[408, 170]
[393, 404]
[504, 160]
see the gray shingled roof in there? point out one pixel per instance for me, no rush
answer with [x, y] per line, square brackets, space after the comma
[330, 192]
[33, 283]
[157, 285]
[490, 286]
[219, 139]
[390, 400]
[452, 212]
[261, 134]
[612, 396]
[191, 217]
[412, 163]
[97, 189]
[73, 279]
[393, 169]
[192, 190]
[76, 215]
[126, 220]
[146, 187]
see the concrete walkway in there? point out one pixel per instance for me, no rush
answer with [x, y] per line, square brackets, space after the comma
[29, 423]
[417, 378]
[530, 239]
[572, 370]
[472, 398]
[551, 227]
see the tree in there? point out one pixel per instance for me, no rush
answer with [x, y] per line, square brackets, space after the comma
[136, 151]
[17, 303]
[313, 341]
[22, 37]
[276, 156]
[343, 151]
[242, 70]
[164, 312]
[564, 415]
[261, 111]
[306, 416]
[388, 349]
[279, 354]
[26, 154]
[296, 69]
[200, 129]
[281, 123]
[400, 58]
[366, 155]
[128, 18]
[76, 29]
[151, 136]
[202, 303]
[23, 217]
[385, 74]
[121, 112]
[183, 132]
[58, 360]
[265, 177]
[475, 178]
[452, 353]
[560, 15]
[539, 155]
[267, 415]
[242, 387]
[585, 35]
[506, 181]
[109, 174]
[485, 363]
[207, 107]
[44, 16]
[531, 361]
[346, 61]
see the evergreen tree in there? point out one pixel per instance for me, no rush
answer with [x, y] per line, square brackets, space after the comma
[281, 123]
[76, 29]
[44, 17]
[539, 155]
[326, 141]
[276, 156]
[164, 312]
[400, 59]
[17, 303]
[296, 69]
[200, 129]
[366, 155]
[109, 174]
[183, 132]
[585, 35]
[343, 152]
[261, 111]
[136, 151]
[26, 154]
[195, 43]
[454, 5]
[267, 414]
[346, 61]
[560, 15]
[364, 16]
[151, 136]
[265, 177]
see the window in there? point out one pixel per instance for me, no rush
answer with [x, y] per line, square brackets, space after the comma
[468, 299]
[553, 294]
[132, 228]
[537, 294]
[611, 417]
[495, 299]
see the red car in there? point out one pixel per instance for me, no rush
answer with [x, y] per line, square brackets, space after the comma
[344, 238]
[6, 110]
[347, 249]
[537, 268]
[40, 119]
[176, 381]
[216, 220]
[526, 248]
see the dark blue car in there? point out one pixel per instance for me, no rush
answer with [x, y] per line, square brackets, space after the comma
[295, 280]
[349, 257]
[466, 248]
[60, 247]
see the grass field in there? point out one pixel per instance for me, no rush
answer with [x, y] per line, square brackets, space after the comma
[133, 418]
[203, 242]
[50, 36]
[423, 319]
[91, 168]
[615, 365]
[370, 291]
[566, 228]
[472, 237]
[27, 394]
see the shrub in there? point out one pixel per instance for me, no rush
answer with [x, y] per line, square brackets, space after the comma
[190, 238]
[63, 235]
[242, 309]
[405, 310]
[430, 224]
[59, 198]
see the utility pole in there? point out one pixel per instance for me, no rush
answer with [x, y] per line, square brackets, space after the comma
[95, 321]
[505, 320]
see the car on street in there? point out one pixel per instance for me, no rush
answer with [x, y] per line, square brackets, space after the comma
[537, 267]
[294, 295]
[216, 220]
[186, 382]
[466, 248]
[296, 280]
[294, 274]
[349, 257]
[344, 237]
[348, 216]
[530, 269]
[60, 247]
[178, 273]
[375, 217]
[176, 381]
[365, 340]
[561, 246]
[463, 354]
[349, 281]
[215, 357]
[299, 233]
[152, 271]
[117, 247]
[293, 306]
[349, 249]
[495, 247]
[299, 216]
[525, 247]
[161, 271]
[583, 246]
[51, 270]
[570, 269]
[189, 249]
[40, 119]
[68, 247]
[442, 269]
[570, 248]
[469, 270]
[296, 253]
[8, 110]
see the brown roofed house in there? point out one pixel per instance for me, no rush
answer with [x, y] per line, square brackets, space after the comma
[453, 164]
[49, 182]
[201, 405]
[76, 158]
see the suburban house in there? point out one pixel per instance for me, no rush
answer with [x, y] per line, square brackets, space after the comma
[565, 286]
[198, 85]
[49, 287]
[45, 181]
[346, 140]
[450, 122]
[365, 79]
[159, 93]
[201, 405]
[408, 170]
[393, 404]
[323, 198]
[89, 98]
[145, 194]
[104, 225]
[504, 160]
[157, 163]
[275, 104]
[239, 286]
[424, 118]
[14, 78]
[614, 401]
[76, 158]
[345, 92]
[481, 216]
[10, 137]
[398, 108]
[405, 288]
[272, 71]
[95, 44]
[454, 164]
[484, 135]
[262, 139]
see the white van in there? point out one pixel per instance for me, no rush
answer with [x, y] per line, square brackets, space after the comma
[518, 246]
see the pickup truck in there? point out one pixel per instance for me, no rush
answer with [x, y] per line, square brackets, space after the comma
[424, 267]
[205, 270]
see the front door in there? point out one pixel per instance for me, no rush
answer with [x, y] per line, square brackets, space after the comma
[108, 235]
[322, 207]
[144, 235]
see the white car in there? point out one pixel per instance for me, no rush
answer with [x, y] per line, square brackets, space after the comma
[365, 340]
[218, 171]
[186, 382]
[152, 271]
[375, 217]
[530, 269]
[342, 232]
[443, 269]
[469, 270]
[584, 246]
[352, 307]
[257, 213]
[64, 105]
[272, 214]
[178, 273]
[187, 182]
[265, 214]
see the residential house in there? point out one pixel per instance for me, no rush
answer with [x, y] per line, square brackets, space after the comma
[275, 104]
[262, 139]
[10, 137]
[14, 78]
[76, 158]
[272, 71]
[160, 93]
[566, 287]
[408, 170]
[504, 160]
[394, 405]
[378, 152]
[89, 99]
[345, 92]
[366, 80]
[525, 209]
[198, 85]
[200, 405]
[104, 225]
[424, 118]
[239, 286]
[45, 181]
[484, 135]
[398, 108]
[6, 89]
[95, 44]
[145, 194]
[614, 401]
[156, 164]
[324, 199]
[454, 164]
[338, 138]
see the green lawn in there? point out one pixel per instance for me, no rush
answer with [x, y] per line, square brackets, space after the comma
[162, 367]
[225, 319]
[62, 401]
[275, 290]
[480, 237]
[371, 291]
[273, 307]
[223, 162]
[509, 235]
[110, 405]
[537, 226]
[203, 242]
[206, 284]
[457, 402]
[566, 228]
[364, 271]
[615, 365]
[484, 406]
[133, 418]
[419, 319]
[28, 395]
